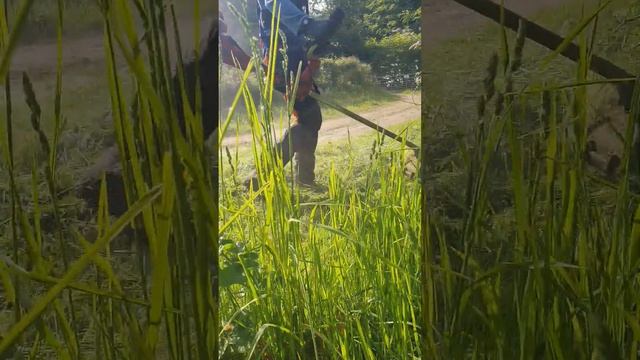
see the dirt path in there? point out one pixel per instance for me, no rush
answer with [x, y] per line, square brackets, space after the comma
[441, 19]
[444, 20]
[39, 59]
[394, 113]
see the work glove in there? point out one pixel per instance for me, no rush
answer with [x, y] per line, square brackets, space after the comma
[320, 42]
[305, 82]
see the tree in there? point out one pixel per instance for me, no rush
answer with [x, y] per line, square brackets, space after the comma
[385, 17]
[379, 32]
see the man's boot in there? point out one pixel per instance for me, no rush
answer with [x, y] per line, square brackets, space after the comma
[252, 181]
[285, 147]
[305, 157]
[305, 163]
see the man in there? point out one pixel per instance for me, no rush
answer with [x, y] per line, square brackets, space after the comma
[109, 162]
[208, 75]
[295, 23]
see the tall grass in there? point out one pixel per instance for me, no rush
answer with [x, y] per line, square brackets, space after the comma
[542, 259]
[71, 298]
[308, 276]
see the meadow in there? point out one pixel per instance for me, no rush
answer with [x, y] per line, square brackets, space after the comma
[527, 251]
[322, 273]
[69, 288]
[530, 252]
[329, 271]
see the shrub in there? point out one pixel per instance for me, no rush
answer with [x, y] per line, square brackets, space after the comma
[394, 59]
[345, 74]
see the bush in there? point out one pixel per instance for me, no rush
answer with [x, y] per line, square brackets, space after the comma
[345, 74]
[228, 84]
[338, 74]
[395, 60]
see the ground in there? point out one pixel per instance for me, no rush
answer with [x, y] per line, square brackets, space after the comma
[337, 128]
[81, 50]
[521, 237]
[440, 32]
[439, 24]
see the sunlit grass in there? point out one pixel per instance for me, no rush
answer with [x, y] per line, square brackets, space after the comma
[328, 272]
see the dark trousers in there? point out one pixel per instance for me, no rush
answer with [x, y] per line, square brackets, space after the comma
[301, 140]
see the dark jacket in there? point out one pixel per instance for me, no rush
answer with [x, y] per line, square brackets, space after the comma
[208, 70]
[295, 43]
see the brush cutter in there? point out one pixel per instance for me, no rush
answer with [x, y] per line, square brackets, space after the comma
[547, 38]
[364, 121]
[553, 41]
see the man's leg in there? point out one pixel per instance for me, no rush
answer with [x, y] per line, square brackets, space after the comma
[309, 113]
[310, 119]
[303, 135]
[285, 148]
[305, 158]
[288, 145]
[301, 141]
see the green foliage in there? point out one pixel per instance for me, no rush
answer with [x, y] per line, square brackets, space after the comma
[334, 278]
[235, 262]
[346, 74]
[72, 298]
[375, 32]
[378, 18]
[394, 58]
[317, 255]
[386, 17]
